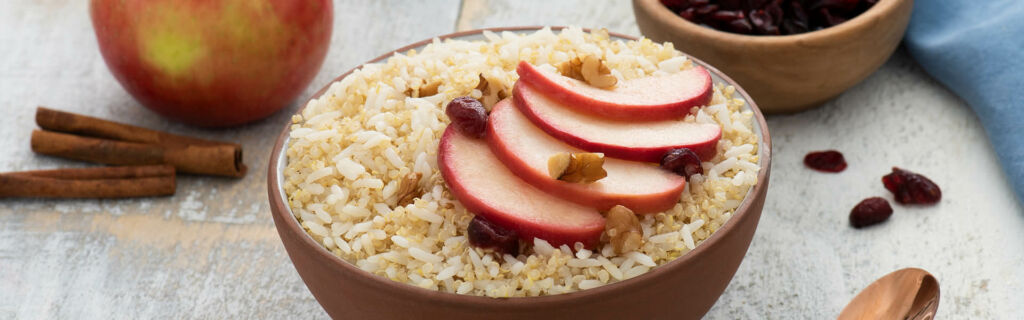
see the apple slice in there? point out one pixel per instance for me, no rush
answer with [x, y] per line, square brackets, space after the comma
[525, 149]
[486, 187]
[639, 141]
[649, 98]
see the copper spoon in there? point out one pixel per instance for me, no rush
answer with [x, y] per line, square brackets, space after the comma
[909, 293]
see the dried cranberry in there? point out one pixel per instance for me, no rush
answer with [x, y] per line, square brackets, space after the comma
[752, 4]
[774, 10]
[727, 16]
[741, 26]
[798, 21]
[798, 14]
[689, 14]
[762, 22]
[827, 19]
[485, 234]
[733, 4]
[825, 161]
[911, 188]
[683, 162]
[844, 5]
[870, 211]
[791, 27]
[674, 4]
[468, 115]
[707, 9]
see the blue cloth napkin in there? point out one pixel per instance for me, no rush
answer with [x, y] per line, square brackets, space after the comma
[976, 49]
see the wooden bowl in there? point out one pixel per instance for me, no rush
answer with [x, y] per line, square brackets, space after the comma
[684, 288]
[787, 73]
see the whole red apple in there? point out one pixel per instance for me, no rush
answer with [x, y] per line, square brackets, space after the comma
[213, 63]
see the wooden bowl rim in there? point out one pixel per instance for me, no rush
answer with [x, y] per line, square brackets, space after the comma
[472, 302]
[664, 16]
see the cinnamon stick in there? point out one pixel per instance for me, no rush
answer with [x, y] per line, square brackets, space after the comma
[142, 146]
[107, 182]
[127, 172]
[62, 121]
[215, 159]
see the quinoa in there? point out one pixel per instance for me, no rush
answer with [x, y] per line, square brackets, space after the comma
[351, 148]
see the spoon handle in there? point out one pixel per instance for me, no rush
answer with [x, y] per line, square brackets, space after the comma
[927, 312]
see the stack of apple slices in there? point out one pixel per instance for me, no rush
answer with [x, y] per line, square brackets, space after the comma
[504, 176]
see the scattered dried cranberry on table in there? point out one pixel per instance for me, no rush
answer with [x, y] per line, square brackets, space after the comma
[485, 234]
[870, 211]
[825, 161]
[683, 162]
[911, 188]
[468, 115]
[768, 17]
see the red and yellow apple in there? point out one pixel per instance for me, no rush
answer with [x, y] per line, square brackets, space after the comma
[213, 63]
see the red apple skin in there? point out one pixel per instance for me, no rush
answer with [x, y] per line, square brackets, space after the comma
[586, 230]
[659, 195]
[522, 95]
[213, 63]
[696, 91]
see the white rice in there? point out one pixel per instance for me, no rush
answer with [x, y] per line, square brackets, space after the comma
[351, 147]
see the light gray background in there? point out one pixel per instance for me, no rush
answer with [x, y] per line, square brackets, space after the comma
[211, 251]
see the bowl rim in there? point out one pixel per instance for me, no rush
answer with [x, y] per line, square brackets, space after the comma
[663, 15]
[279, 209]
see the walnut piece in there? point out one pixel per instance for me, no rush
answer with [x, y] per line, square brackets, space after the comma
[577, 167]
[490, 94]
[557, 164]
[408, 189]
[589, 69]
[571, 68]
[422, 90]
[429, 89]
[623, 229]
[596, 73]
[482, 84]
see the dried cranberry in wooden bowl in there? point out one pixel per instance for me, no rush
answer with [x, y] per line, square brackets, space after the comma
[768, 17]
[785, 73]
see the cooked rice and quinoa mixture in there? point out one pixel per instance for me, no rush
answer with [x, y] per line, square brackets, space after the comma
[351, 149]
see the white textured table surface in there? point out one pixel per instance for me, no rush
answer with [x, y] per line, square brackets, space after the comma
[211, 250]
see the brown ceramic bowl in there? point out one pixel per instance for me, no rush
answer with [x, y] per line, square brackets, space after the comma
[787, 73]
[682, 289]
